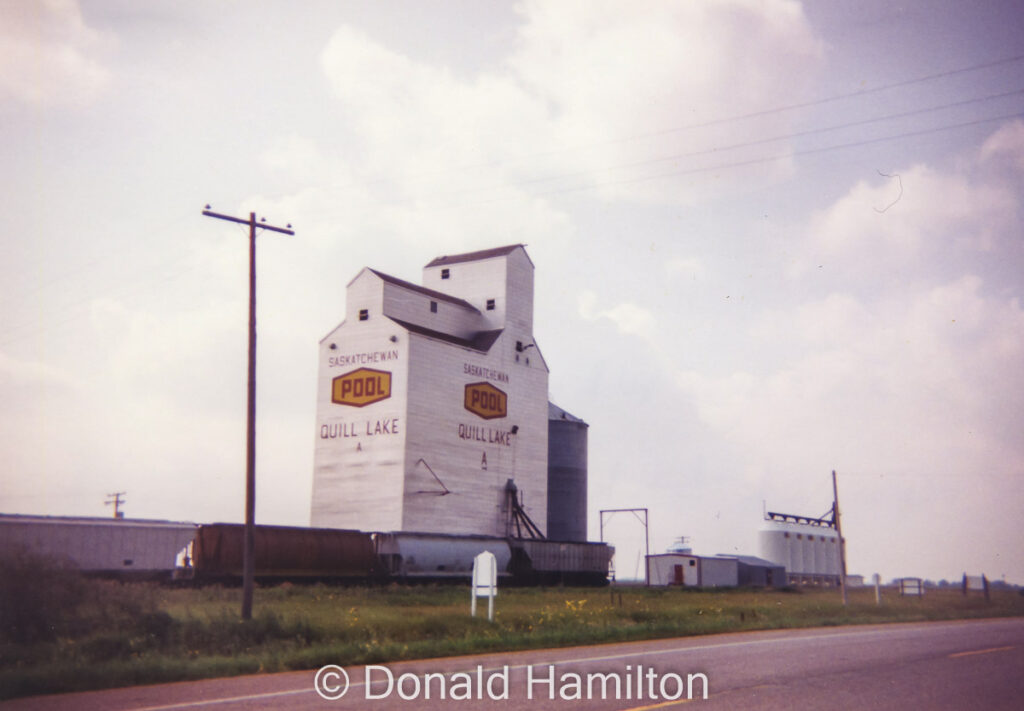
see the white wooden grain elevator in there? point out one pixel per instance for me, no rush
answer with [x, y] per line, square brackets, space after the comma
[431, 398]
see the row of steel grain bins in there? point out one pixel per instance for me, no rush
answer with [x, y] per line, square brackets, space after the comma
[809, 548]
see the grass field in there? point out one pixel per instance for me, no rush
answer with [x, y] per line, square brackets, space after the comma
[73, 634]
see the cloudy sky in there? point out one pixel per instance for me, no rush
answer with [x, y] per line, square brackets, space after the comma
[772, 240]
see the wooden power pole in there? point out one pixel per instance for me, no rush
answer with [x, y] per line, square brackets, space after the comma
[249, 538]
[117, 498]
[839, 534]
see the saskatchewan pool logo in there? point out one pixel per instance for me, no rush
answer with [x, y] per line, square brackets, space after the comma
[361, 387]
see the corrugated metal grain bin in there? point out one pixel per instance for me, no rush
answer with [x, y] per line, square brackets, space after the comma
[567, 476]
[284, 552]
[437, 555]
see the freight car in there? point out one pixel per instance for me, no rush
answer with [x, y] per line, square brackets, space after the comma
[289, 553]
[128, 548]
[284, 553]
[437, 556]
[124, 548]
[543, 562]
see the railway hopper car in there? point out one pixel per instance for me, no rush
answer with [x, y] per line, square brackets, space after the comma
[293, 553]
[284, 553]
[119, 548]
[210, 553]
[428, 556]
[435, 556]
[543, 562]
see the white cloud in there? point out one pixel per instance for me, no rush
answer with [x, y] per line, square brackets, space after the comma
[430, 168]
[23, 373]
[49, 55]
[1007, 142]
[628, 318]
[598, 90]
[940, 361]
[606, 59]
[692, 269]
[420, 119]
[295, 156]
[633, 319]
[610, 71]
[896, 223]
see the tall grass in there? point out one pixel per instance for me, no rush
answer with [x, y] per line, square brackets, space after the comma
[63, 632]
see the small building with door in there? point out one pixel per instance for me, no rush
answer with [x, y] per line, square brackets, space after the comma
[689, 570]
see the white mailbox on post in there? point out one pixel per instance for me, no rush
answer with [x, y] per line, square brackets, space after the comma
[485, 582]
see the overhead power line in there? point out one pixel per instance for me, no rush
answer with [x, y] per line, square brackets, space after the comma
[144, 281]
[708, 123]
[840, 97]
[784, 156]
[745, 163]
[734, 146]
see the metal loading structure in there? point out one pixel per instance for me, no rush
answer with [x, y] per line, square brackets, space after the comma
[536, 560]
[518, 519]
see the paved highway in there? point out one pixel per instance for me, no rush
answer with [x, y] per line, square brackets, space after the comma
[923, 666]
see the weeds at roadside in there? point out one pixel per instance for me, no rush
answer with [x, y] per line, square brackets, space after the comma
[61, 632]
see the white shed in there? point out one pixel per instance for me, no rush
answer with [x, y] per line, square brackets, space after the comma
[690, 570]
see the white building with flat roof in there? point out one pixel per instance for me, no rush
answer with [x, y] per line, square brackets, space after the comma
[431, 398]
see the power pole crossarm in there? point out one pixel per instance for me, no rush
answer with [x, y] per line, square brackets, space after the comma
[249, 540]
[252, 216]
[117, 498]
